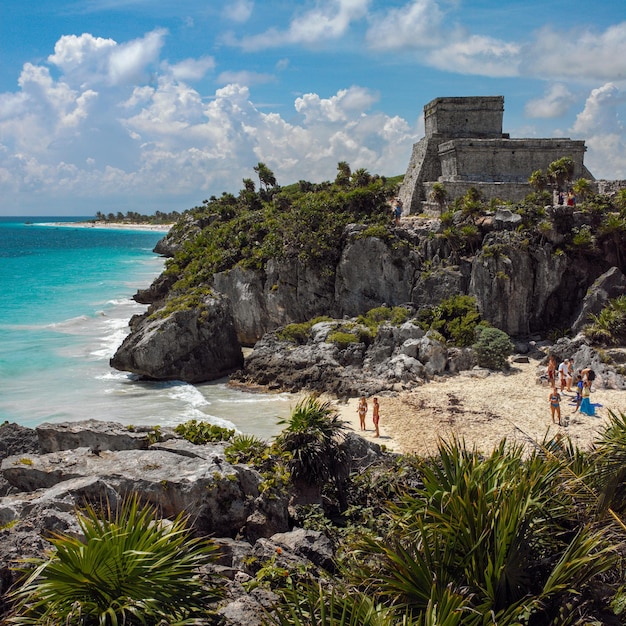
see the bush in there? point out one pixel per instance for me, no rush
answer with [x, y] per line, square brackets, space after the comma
[200, 433]
[492, 348]
[456, 318]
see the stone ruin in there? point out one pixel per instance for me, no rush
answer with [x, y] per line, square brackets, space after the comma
[465, 147]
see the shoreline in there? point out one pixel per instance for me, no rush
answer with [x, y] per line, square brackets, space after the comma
[111, 226]
[481, 410]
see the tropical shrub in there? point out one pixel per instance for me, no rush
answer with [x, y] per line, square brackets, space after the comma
[312, 436]
[492, 348]
[203, 432]
[456, 318]
[130, 568]
[495, 537]
[609, 326]
[245, 449]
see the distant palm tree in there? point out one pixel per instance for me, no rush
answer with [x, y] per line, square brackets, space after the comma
[538, 180]
[582, 188]
[561, 172]
[266, 176]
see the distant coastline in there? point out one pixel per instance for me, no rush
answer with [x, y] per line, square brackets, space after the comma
[111, 225]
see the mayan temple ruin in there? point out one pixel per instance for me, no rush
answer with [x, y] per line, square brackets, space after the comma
[465, 147]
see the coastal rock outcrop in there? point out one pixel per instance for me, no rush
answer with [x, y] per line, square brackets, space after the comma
[194, 343]
[398, 357]
[251, 526]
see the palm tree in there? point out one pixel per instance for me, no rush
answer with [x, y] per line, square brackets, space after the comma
[560, 172]
[313, 438]
[266, 176]
[130, 568]
[582, 188]
[538, 181]
[361, 178]
[343, 174]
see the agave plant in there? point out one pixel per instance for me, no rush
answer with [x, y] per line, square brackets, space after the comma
[130, 568]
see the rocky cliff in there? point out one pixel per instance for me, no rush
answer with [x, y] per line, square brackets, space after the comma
[529, 270]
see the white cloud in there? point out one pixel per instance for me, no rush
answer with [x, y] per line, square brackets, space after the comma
[417, 24]
[128, 62]
[238, 10]
[328, 21]
[245, 78]
[191, 69]
[164, 144]
[601, 124]
[474, 54]
[581, 54]
[555, 103]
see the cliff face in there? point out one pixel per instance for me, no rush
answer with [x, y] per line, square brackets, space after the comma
[522, 285]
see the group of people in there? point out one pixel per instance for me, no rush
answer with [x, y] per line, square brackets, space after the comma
[569, 199]
[362, 411]
[565, 374]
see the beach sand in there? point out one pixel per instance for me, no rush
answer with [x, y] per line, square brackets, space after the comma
[481, 411]
[114, 226]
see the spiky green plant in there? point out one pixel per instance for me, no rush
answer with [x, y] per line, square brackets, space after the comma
[130, 568]
[313, 603]
[499, 532]
[313, 437]
[245, 449]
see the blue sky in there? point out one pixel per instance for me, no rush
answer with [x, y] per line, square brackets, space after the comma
[119, 105]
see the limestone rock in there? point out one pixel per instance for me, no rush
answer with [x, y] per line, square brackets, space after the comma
[216, 494]
[191, 344]
[609, 285]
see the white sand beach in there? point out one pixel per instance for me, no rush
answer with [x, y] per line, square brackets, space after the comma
[113, 226]
[481, 411]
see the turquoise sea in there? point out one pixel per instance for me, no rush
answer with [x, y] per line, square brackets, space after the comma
[65, 302]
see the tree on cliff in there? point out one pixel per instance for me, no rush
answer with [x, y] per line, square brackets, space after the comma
[560, 172]
[266, 176]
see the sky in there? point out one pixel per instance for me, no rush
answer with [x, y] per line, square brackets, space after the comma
[145, 105]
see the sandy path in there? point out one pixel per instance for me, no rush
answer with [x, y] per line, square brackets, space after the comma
[482, 411]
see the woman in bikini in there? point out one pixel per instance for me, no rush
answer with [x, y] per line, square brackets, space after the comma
[555, 404]
[362, 411]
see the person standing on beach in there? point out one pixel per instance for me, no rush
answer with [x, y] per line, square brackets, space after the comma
[555, 404]
[563, 373]
[376, 416]
[362, 411]
[551, 370]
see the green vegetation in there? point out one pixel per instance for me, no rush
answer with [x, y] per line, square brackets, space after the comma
[299, 333]
[312, 437]
[130, 568]
[303, 222]
[246, 449]
[609, 326]
[200, 433]
[132, 217]
[492, 348]
[455, 318]
[467, 538]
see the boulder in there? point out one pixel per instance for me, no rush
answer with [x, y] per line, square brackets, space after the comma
[190, 343]
[94, 434]
[218, 496]
[609, 285]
